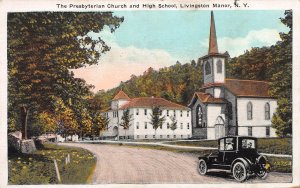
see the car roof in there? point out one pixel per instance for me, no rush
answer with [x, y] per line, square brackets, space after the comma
[238, 137]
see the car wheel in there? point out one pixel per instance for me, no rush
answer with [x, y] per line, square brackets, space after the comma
[262, 174]
[202, 167]
[239, 171]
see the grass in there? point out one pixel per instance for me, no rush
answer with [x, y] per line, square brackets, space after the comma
[38, 168]
[265, 145]
[280, 164]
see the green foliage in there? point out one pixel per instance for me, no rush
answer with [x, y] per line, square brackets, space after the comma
[126, 119]
[100, 124]
[156, 119]
[176, 83]
[42, 49]
[173, 125]
[38, 168]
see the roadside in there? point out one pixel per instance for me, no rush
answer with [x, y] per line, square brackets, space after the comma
[38, 168]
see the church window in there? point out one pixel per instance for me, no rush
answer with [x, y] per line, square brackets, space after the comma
[207, 68]
[219, 66]
[249, 111]
[267, 111]
[267, 131]
[199, 116]
[249, 131]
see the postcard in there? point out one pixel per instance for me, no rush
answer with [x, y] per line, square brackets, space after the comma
[150, 93]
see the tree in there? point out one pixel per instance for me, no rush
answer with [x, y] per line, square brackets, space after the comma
[42, 48]
[281, 81]
[156, 119]
[126, 119]
[173, 125]
[100, 124]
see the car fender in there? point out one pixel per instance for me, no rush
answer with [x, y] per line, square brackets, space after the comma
[245, 161]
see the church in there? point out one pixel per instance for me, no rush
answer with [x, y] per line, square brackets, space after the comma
[223, 106]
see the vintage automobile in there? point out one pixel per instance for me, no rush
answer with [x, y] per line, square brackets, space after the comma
[238, 155]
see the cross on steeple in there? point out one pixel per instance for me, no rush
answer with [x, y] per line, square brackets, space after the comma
[213, 45]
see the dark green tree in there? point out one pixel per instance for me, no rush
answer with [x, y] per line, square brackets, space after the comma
[126, 120]
[173, 125]
[281, 81]
[42, 49]
[156, 119]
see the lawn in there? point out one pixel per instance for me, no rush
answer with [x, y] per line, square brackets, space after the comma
[38, 168]
[265, 145]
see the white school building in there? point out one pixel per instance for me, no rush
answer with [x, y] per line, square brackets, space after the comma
[140, 110]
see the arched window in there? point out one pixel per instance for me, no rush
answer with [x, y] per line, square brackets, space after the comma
[207, 68]
[199, 116]
[219, 66]
[267, 111]
[249, 111]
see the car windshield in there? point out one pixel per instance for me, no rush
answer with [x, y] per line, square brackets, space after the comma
[248, 143]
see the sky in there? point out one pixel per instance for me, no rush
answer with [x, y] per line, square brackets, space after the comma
[160, 38]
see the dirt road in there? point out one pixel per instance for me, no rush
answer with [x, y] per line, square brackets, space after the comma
[123, 164]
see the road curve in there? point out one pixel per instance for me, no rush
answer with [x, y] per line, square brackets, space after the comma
[123, 164]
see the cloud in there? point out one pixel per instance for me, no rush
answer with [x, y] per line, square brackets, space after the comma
[255, 38]
[120, 63]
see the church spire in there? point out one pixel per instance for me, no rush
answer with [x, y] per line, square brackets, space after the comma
[213, 45]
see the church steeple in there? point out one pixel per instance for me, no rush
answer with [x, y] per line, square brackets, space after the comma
[213, 45]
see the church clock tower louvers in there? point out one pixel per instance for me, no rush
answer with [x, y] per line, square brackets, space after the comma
[213, 63]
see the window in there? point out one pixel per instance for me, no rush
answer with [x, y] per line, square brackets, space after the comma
[219, 66]
[248, 143]
[117, 114]
[160, 112]
[153, 136]
[181, 125]
[267, 131]
[160, 127]
[167, 112]
[249, 131]
[137, 136]
[137, 112]
[188, 125]
[180, 113]
[168, 125]
[145, 112]
[145, 125]
[187, 113]
[146, 136]
[168, 136]
[249, 111]
[174, 136]
[199, 116]
[207, 68]
[267, 111]
[229, 144]
[160, 136]
[181, 136]
[175, 113]
[221, 145]
[137, 125]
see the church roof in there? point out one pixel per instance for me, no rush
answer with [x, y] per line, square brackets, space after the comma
[149, 102]
[121, 95]
[208, 98]
[248, 88]
[244, 88]
[213, 45]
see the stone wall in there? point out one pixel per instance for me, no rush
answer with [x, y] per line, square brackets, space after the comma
[16, 143]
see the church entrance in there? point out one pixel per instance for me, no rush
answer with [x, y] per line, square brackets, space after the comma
[115, 131]
[219, 128]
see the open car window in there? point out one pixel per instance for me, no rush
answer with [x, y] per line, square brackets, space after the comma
[221, 145]
[248, 143]
[229, 144]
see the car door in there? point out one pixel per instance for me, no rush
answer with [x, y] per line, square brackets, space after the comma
[217, 160]
[229, 151]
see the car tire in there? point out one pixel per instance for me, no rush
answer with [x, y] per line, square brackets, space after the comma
[262, 174]
[239, 172]
[202, 167]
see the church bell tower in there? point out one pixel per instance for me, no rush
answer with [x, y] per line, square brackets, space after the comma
[214, 62]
